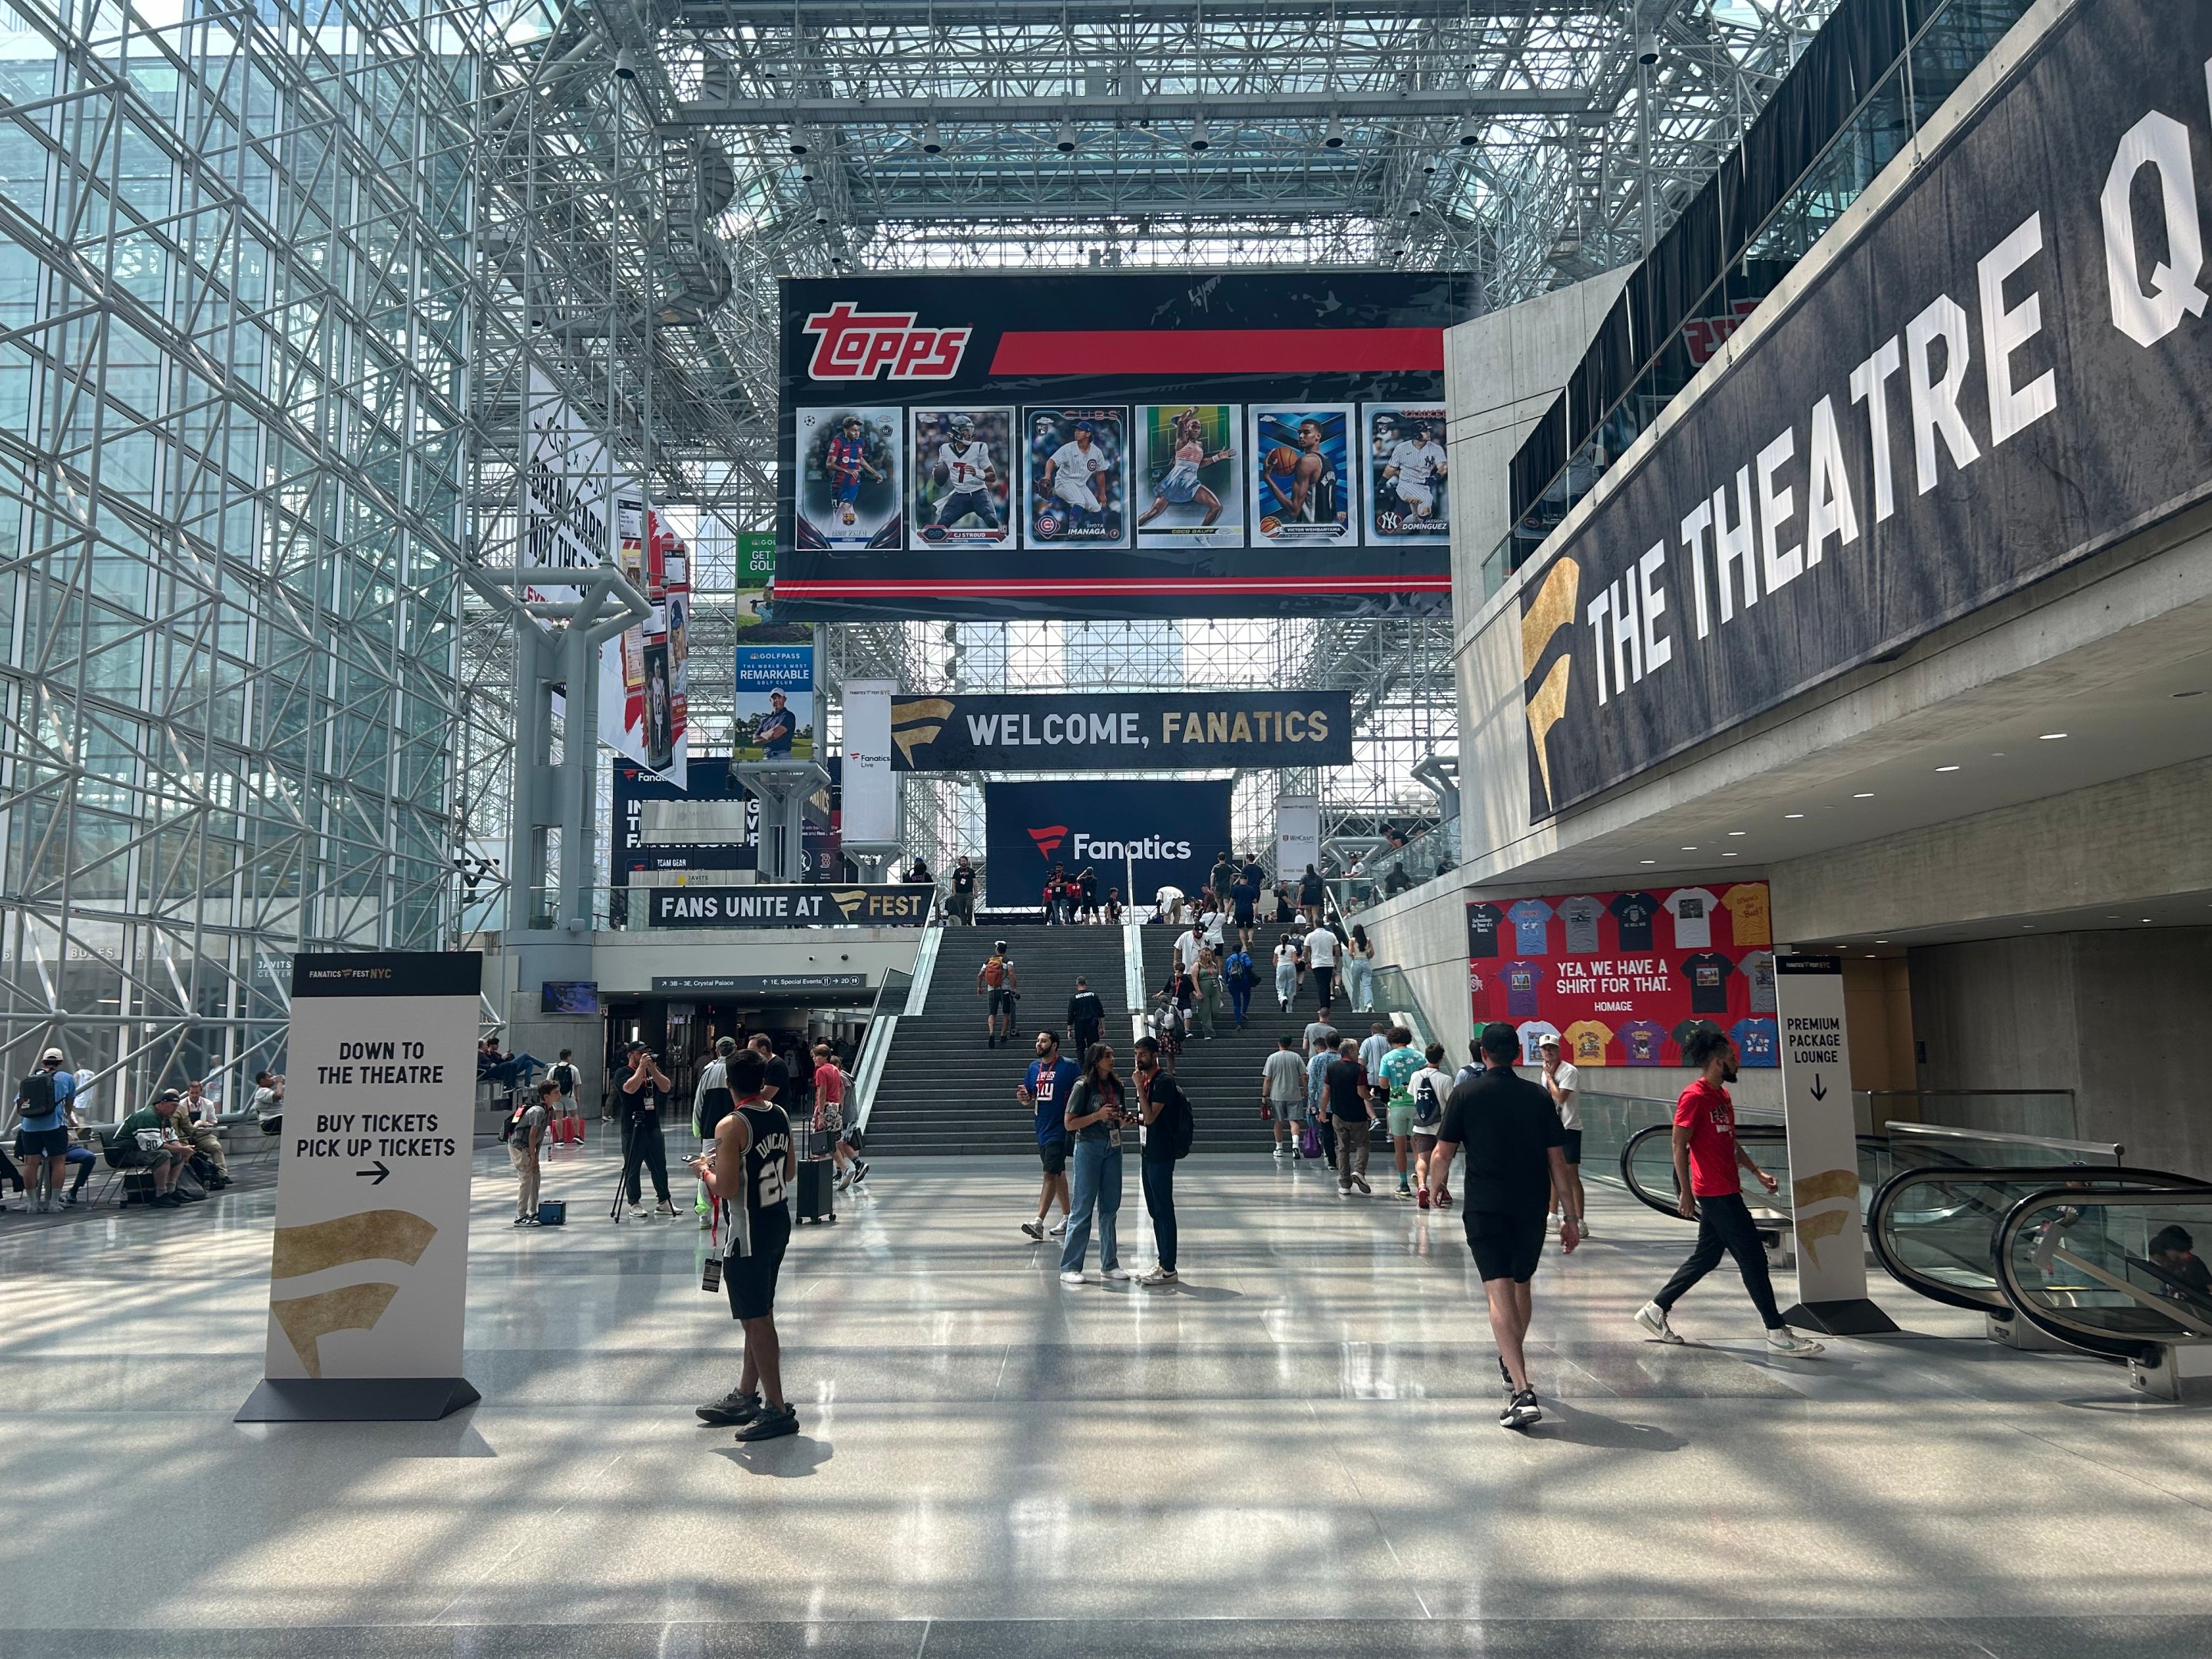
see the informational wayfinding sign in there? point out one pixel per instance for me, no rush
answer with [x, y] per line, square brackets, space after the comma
[1824, 1157]
[887, 905]
[368, 1274]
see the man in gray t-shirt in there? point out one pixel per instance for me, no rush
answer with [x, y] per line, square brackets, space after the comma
[523, 1145]
[1283, 1093]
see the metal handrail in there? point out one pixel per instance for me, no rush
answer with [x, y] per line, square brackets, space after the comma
[1889, 1200]
[1751, 1135]
[2147, 1348]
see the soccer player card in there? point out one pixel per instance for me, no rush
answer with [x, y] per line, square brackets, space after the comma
[1409, 498]
[1073, 478]
[962, 470]
[849, 478]
[1190, 487]
[1300, 461]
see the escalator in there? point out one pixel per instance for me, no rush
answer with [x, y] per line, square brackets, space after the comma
[2115, 1273]
[1647, 1163]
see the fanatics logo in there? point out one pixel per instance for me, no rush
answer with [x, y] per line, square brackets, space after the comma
[1048, 839]
[856, 345]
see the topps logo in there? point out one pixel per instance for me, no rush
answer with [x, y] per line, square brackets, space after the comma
[858, 345]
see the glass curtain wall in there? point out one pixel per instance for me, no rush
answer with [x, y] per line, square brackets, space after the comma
[233, 263]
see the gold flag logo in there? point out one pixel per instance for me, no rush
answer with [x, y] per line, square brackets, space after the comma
[849, 899]
[370, 1236]
[908, 730]
[1552, 610]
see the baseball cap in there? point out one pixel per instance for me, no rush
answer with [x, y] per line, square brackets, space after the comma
[633, 1048]
[50, 1054]
[779, 692]
[168, 1094]
[1549, 1040]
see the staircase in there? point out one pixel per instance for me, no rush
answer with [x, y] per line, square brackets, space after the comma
[943, 1092]
[1222, 1077]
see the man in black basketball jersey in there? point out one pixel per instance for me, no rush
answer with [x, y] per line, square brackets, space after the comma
[752, 1164]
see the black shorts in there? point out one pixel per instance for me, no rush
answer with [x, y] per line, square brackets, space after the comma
[1573, 1145]
[1052, 1154]
[1506, 1245]
[41, 1143]
[751, 1279]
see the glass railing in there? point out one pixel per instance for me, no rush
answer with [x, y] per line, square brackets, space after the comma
[1394, 994]
[1935, 1230]
[2117, 1275]
[1647, 1165]
[1386, 874]
[2044, 1114]
[1922, 1146]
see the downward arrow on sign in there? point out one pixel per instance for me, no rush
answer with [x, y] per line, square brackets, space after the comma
[1819, 1089]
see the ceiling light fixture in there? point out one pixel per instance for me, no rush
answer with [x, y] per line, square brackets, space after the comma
[1739, 832]
[1066, 142]
[2052, 737]
[1331, 137]
[1649, 860]
[932, 142]
[1793, 815]
[1470, 133]
[797, 142]
[625, 64]
[1947, 769]
[1200, 143]
[1689, 849]
[1864, 794]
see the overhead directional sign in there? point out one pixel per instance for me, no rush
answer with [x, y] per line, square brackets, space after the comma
[1125, 732]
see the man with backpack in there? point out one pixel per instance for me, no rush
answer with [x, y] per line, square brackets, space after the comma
[524, 1132]
[1430, 1089]
[565, 1075]
[42, 1138]
[1240, 977]
[1169, 1127]
[997, 980]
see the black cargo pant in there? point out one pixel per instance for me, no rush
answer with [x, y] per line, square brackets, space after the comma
[643, 1148]
[1725, 1226]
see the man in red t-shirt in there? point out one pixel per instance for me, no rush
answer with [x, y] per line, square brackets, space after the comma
[829, 1116]
[1706, 1159]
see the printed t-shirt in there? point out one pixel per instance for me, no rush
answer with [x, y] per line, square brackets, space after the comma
[1682, 1033]
[1693, 911]
[1507, 1125]
[1483, 921]
[1746, 903]
[1707, 1111]
[1529, 916]
[1757, 1042]
[1523, 980]
[1641, 1041]
[1586, 1040]
[1581, 914]
[1533, 1033]
[1567, 1077]
[1758, 970]
[1051, 1085]
[1634, 912]
[1708, 972]
[1396, 1072]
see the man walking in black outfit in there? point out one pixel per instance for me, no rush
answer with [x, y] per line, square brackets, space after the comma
[1086, 1015]
[1707, 1157]
[1514, 1152]
[642, 1093]
[1166, 1112]
[752, 1165]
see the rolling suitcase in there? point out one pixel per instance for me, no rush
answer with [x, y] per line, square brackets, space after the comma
[818, 1190]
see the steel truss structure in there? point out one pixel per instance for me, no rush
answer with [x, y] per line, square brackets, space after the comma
[275, 275]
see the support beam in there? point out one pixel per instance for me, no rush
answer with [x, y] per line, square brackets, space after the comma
[1221, 109]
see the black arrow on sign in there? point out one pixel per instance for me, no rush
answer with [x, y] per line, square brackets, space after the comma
[380, 1172]
[1819, 1089]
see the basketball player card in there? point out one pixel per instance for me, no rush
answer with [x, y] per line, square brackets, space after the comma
[1300, 461]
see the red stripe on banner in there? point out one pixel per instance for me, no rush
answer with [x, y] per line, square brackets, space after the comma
[1220, 351]
[1018, 588]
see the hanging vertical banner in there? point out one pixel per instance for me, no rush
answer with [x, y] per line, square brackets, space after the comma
[774, 703]
[644, 703]
[1297, 835]
[871, 791]
[368, 1274]
[567, 493]
[1824, 1158]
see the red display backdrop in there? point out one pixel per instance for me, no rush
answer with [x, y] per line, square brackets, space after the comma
[1623, 978]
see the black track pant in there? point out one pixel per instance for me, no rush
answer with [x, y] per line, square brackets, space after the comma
[1725, 1227]
[643, 1148]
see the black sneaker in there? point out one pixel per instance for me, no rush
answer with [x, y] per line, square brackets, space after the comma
[1521, 1411]
[771, 1425]
[731, 1409]
[859, 1172]
[190, 1198]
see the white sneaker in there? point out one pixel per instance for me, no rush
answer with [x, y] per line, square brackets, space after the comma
[1280, 1152]
[639, 1213]
[1158, 1276]
[1784, 1341]
[1071, 1279]
[1653, 1318]
[1117, 1273]
[1058, 1229]
[1582, 1227]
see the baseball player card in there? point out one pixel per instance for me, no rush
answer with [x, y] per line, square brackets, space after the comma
[1409, 492]
[1073, 477]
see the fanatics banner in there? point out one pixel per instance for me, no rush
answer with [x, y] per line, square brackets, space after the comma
[1168, 832]
[1110, 732]
[1102, 445]
[1623, 978]
[2009, 371]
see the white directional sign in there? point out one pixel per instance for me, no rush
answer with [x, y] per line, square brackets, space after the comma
[368, 1273]
[1823, 1162]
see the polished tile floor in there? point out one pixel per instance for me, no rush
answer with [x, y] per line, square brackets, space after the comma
[1295, 1452]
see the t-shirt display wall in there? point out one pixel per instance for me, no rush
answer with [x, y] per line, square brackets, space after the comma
[1622, 979]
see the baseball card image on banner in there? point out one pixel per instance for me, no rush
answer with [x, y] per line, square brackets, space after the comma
[1074, 482]
[1407, 495]
[962, 465]
[1188, 480]
[1300, 464]
[848, 478]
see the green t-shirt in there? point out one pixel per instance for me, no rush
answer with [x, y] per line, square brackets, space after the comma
[144, 1118]
[1397, 1071]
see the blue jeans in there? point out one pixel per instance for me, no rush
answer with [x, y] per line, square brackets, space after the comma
[1359, 983]
[1096, 1186]
[1240, 1001]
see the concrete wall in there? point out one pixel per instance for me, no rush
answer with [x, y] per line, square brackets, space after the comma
[2119, 1018]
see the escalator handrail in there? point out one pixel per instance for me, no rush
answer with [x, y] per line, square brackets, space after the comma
[1756, 1134]
[2089, 1339]
[1886, 1197]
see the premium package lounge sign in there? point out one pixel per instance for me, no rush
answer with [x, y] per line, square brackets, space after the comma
[368, 1274]
[1130, 732]
[884, 906]
[2010, 370]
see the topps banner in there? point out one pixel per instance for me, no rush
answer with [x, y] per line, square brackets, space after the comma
[1116, 446]
[2007, 371]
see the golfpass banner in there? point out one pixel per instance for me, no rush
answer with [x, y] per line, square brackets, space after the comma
[368, 1274]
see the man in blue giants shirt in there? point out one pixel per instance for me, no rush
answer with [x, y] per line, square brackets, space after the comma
[1045, 1090]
